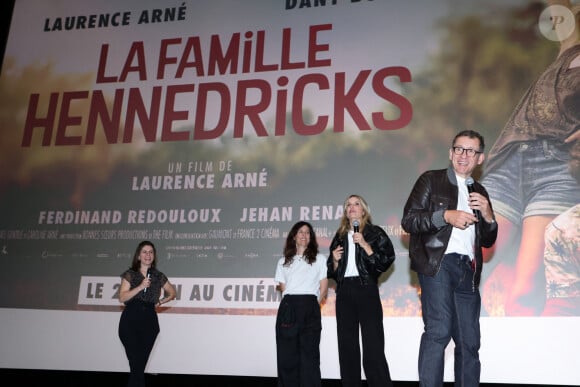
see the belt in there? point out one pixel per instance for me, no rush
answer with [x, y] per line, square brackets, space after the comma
[464, 258]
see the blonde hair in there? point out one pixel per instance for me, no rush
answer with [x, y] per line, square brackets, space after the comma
[344, 226]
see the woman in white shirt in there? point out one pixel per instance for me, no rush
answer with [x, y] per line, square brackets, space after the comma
[301, 276]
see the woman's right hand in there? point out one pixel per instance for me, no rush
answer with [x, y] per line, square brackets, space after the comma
[145, 283]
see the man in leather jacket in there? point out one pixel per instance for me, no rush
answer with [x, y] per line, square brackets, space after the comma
[449, 218]
[359, 252]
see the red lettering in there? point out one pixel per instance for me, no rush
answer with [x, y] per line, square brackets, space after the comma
[260, 66]
[192, 45]
[297, 106]
[34, 122]
[170, 115]
[281, 100]
[314, 48]
[65, 120]
[101, 78]
[285, 60]
[220, 60]
[136, 107]
[251, 111]
[99, 110]
[200, 131]
[164, 60]
[345, 100]
[137, 52]
[405, 107]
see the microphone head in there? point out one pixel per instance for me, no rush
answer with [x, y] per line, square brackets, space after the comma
[469, 184]
[355, 225]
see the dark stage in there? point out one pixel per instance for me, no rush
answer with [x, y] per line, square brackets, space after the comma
[33, 378]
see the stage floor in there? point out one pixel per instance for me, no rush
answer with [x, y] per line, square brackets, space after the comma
[33, 378]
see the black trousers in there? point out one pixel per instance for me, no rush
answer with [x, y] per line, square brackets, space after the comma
[138, 330]
[298, 329]
[359, 307]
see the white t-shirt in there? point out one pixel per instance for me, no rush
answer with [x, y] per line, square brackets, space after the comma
[301, 277]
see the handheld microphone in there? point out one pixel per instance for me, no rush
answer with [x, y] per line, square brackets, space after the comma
[355, 226]
[469, 182]
[148, 276]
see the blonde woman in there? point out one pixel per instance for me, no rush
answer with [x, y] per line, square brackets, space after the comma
[359, 253]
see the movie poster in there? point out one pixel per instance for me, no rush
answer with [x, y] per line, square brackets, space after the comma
[210, 128]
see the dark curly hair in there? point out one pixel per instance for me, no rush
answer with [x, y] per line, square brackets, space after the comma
[290, 246]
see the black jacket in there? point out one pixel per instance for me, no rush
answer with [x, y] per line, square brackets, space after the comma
[433, 193]
[369, 267]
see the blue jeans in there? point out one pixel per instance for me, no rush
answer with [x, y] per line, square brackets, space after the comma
[451, 306]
